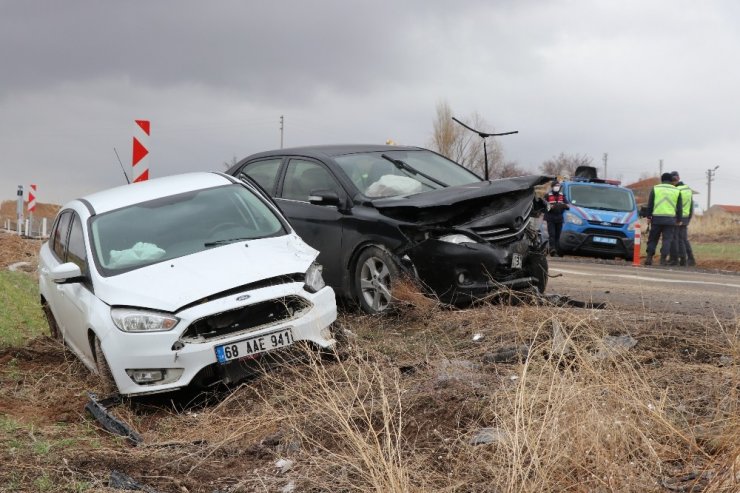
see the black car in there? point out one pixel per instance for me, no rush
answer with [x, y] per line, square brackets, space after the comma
[376, 212]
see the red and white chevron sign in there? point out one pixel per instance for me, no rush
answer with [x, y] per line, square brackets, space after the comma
[32, 198]
[140, 159]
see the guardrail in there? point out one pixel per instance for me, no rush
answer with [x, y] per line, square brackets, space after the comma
[27, 228]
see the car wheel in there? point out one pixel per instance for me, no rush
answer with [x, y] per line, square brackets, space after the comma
[53, 326]
[109, 383]
[538, 269]
[375, 273]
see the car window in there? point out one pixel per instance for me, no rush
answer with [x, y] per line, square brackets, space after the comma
[59, 236]
[76, 246]
[264, 173]
[179, 225]
[393, 173]
[302, 177]
[601, 197]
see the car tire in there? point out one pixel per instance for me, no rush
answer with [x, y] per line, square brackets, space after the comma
[53, 326]
[374, 274]
[538, 268]
[106, 376]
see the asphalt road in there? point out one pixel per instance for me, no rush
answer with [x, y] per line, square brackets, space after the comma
[655, 289]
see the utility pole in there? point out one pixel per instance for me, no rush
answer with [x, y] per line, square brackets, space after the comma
[606, 155]
[282, 126]
[660, 167]
[710, 177]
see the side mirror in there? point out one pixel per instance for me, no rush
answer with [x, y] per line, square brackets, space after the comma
[324, 197]
[66, 273]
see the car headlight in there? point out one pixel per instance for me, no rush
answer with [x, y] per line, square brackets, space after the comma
[457, 239]
[314, 279]
[631, 227]
[572, 218]
[133, 320]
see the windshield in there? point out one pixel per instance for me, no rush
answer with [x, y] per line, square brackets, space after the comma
[171, 227]
[392, 173]
[604, 198]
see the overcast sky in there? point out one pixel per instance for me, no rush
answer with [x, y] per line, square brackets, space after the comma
[640, 80]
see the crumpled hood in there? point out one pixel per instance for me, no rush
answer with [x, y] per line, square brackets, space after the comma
[172, 284]
[464, 203]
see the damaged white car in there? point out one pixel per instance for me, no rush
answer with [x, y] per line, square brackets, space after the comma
[189, 278]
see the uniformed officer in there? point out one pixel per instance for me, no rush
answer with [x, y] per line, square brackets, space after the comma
[664, 213]
[681, 252]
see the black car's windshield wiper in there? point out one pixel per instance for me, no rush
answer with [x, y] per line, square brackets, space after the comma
[225, 242]
[403, 166]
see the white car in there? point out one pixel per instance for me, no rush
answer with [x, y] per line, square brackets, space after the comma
[186, 278]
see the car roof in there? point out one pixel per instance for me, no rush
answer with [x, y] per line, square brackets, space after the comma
[115, 198]
[330, 151]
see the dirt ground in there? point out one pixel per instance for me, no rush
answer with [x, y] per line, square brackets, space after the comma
[402, 408]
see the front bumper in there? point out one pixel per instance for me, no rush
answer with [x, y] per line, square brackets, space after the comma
[169, 351]
[587, 243]
[460, 273]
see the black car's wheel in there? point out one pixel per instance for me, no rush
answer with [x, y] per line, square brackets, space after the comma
[538, 268]
[106, 376]
[53, 326]
[375, 273]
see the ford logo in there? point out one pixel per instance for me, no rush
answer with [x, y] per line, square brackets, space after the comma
[243, 297]
[606, 223]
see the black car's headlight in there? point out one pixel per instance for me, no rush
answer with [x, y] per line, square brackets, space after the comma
[457, 238]
[314, 279]
[133, 320]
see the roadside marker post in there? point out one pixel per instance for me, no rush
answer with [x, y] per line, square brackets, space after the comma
[140, 155]
[31, 206]
[636, 253]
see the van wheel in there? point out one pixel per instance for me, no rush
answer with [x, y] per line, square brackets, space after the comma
[106, 376]
[375, 273]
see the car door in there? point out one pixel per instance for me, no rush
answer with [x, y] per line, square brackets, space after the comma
[319, 225]
[58, 248]
[76, 297]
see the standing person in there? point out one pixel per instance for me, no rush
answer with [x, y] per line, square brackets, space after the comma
[556, 205]
[664, 213]
[681, 251]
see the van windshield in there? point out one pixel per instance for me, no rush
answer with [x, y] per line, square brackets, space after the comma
[605, 198]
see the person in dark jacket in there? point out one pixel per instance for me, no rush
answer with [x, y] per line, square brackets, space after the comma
[681, 252]
[664, 213]
[556, 205]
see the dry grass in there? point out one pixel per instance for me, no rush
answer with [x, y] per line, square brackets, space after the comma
[714, 227]
[400, 409]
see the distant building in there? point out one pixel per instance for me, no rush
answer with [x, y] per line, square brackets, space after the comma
[725, 210]
[642, 188]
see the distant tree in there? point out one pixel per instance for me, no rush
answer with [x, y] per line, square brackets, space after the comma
[509, 169]
[229, 164]
[565, 164]
[465, 147]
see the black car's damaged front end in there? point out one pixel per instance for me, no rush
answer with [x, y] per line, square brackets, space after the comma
[467, 242]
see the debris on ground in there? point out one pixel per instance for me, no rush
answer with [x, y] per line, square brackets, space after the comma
[615, 345]
[121, 481]
[561, 345]
[513, 354]
[284, 465]
[99, 410]
[486, 436]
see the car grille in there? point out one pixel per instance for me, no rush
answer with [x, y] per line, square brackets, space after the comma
[605, 232]
[494, 234]
[606, 223]
[247, 319]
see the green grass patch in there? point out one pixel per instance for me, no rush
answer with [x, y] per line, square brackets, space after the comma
[21, 317]
[717, 251]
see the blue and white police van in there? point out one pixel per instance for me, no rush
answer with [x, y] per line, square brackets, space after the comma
[601, 218]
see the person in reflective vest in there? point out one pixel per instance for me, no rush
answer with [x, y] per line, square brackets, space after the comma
[556, 205]
[681, 252]
[664, 213]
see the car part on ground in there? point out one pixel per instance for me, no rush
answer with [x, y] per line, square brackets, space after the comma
[149, 294]
[98, 409]
[460, 236]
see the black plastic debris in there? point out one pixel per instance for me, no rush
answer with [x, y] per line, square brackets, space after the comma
[562, 300]
[122, 481]
[99, 410]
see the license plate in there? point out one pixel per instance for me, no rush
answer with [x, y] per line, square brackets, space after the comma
[601, 239]
[516, 261]
[254, 345]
